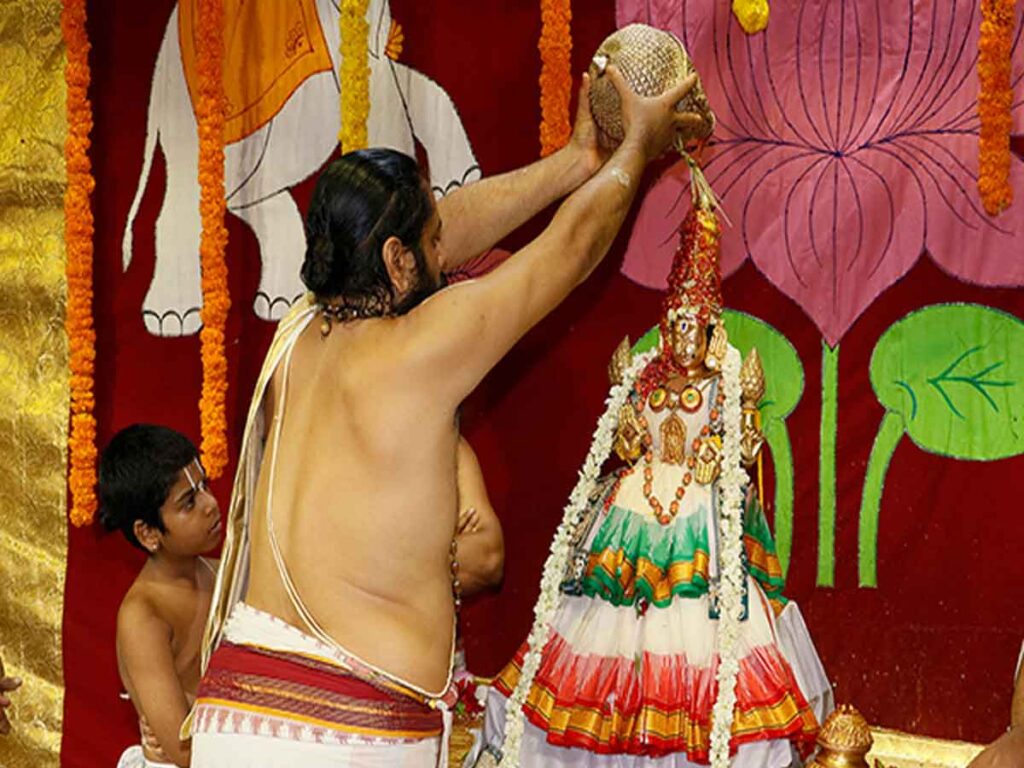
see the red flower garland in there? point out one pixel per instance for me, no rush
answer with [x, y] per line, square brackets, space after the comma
[995, 104]
[210, 116]
[78, 232]
[555, 47]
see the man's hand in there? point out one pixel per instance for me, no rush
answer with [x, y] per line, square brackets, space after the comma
[7, 684]
[1005, 752]
[651, 124]
[584, 141]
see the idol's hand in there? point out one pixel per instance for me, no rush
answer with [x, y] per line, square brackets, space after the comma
[7, 684]
[652, 123]
[717, 347]
[584, 142]
[751, 439]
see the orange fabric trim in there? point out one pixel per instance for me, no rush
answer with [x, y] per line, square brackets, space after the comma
[995, 104]
[761, 558]
[291, 48]
[555, 47]
[210, 113]
[668, 726]
[78, 233]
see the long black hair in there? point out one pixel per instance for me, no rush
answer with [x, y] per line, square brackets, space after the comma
[361, 200]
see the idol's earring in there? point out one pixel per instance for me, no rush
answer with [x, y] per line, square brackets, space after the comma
[716, 347]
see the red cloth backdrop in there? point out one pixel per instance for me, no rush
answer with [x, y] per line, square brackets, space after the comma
[932, 650]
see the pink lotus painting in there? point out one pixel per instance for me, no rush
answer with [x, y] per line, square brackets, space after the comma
[846, 147]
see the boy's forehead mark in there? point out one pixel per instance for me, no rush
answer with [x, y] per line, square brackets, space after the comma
[195, 474]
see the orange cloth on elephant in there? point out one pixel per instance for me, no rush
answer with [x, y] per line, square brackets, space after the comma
[270, 48]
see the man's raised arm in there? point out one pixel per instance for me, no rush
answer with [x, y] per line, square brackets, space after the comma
[480, 214]
[457, 336]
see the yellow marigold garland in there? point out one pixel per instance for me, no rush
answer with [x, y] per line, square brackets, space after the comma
[210, 116]
[995, 103]
[555, 74]
[78, 232]
[355, 75]
[751, 14]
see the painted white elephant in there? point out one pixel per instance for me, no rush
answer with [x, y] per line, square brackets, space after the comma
[406, 106]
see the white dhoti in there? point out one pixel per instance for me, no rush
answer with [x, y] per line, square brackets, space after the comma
[134, 758]
[275, 697]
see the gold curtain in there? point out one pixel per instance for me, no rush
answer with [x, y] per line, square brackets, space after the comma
[33, 376]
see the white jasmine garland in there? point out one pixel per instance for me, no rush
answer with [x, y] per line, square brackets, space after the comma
[558, 557]
[731, 483]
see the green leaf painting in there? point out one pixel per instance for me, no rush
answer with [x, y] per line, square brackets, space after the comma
[828, 433]
[784, 386]
[951, 376]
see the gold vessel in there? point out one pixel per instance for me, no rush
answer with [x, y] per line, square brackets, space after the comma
[844, 740]
[651, 61]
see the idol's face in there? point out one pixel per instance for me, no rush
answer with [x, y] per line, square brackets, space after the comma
[687, 339]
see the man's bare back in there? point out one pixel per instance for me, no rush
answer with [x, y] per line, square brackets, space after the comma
[370, 505]
[363, 492]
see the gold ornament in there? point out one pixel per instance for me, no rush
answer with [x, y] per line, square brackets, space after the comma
[717, 347]
[657, 399]
[690, 399]
[651, 61]
[751, 437]
[752, 389]
[629, 435]
[622, 359]
[752, 379]
[673, 440]
[844, 740]
[708, 460]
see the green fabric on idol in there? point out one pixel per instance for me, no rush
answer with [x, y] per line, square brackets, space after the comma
[673, 557]
[758, 535]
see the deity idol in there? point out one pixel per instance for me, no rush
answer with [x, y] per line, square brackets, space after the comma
[662, 637]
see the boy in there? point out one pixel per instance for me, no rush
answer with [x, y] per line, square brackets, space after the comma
[153, 489]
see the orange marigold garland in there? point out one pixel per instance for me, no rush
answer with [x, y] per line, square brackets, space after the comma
[210, 116]
[555, 74]
[355, 75]
[78, 232]
[995, 103]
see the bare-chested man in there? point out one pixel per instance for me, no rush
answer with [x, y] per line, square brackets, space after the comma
[346, 502]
